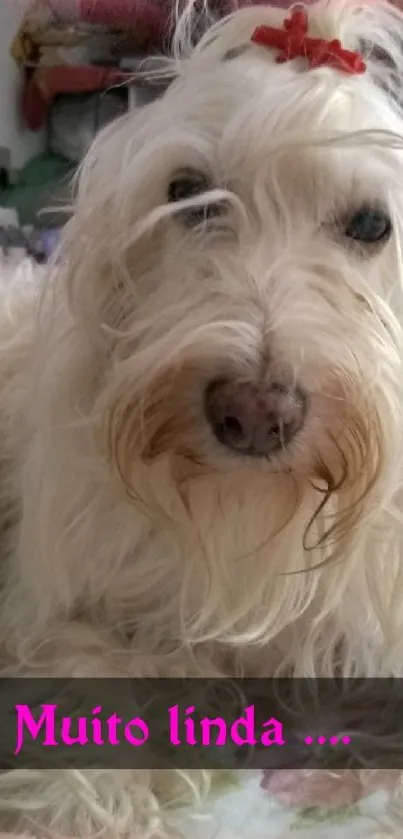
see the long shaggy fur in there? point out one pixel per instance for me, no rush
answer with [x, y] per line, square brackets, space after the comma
[133, 544]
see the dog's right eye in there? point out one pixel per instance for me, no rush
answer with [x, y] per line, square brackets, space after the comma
[187, 184]
[190, 184]
[369, 226]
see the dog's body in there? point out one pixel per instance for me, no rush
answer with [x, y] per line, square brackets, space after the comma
[148, 530]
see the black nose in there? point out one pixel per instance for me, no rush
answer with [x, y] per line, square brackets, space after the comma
[252, 419]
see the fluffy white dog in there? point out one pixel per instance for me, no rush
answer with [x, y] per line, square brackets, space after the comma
[201, 423]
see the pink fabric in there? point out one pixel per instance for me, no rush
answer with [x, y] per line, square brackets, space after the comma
[129, 12]
[151, 17]
[121, 12]
[150, 20]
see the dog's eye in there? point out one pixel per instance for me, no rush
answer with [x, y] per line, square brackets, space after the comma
[190, 184]
[187, 185]
[369, 226]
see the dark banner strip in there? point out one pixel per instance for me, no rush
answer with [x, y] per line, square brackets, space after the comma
[201, 723]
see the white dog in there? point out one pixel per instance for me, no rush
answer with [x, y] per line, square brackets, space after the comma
[201, 423]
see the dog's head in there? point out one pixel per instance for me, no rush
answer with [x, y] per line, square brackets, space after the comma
[237, 249]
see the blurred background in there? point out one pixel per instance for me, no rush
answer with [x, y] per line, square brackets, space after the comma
[67, 68]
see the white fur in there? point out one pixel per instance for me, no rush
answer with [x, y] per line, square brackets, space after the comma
[134, 544]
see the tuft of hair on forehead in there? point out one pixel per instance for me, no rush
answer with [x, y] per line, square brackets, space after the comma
[372, 27]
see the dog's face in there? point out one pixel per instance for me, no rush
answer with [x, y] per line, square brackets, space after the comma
[248, 269]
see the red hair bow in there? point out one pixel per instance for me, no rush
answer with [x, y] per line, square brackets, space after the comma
[293, 41]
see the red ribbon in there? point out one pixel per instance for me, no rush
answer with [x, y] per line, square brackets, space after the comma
[294, 42]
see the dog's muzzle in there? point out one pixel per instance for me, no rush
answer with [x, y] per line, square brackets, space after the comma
[254, 419]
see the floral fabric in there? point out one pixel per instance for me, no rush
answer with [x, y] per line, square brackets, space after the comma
[294, 804]
[300, 804]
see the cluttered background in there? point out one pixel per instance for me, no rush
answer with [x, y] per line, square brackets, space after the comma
[67, 68]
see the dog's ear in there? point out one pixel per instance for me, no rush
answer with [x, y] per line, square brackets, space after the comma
[387, 71]
[379, 37]
[373, 28]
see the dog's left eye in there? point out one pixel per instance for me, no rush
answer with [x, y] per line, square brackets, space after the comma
[190, 184]
[369, 226]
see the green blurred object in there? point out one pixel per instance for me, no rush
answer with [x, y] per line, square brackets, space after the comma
[45, 182]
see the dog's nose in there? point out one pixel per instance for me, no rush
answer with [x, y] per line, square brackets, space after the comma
[253, 419]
